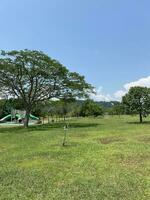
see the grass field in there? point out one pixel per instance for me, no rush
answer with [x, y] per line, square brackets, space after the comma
[105, 159]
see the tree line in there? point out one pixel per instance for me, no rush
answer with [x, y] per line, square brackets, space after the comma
[136, 101]
[55, 110]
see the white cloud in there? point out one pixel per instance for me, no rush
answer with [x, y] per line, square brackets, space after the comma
[119, 94]
[144, 82]
[102, 96]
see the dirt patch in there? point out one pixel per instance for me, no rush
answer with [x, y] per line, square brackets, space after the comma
[109, 140]
[145, 139]
[135, 160]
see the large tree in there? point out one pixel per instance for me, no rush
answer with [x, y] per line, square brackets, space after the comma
[137, 101]
[32, 77]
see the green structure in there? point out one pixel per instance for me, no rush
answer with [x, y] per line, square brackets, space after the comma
[17, 116]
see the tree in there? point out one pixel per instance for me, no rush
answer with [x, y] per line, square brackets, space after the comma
[137, 101]
[75, 109]
[117, 109]
[33, 77]
[91, 108]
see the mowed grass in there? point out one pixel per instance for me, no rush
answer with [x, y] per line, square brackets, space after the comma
[105, 158]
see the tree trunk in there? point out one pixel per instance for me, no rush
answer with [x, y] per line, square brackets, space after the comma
[141, 119]
[48, 120]
[26, 121]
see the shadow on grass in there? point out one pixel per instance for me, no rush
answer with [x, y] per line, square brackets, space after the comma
[45, 127]
[145, 122]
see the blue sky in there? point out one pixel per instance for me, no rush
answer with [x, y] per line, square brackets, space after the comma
[108, 41]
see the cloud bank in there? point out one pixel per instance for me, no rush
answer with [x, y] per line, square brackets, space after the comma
[117, 96]
[100, 95]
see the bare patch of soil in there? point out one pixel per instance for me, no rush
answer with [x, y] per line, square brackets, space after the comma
[135, 160]
[109, 140]
[145, 139]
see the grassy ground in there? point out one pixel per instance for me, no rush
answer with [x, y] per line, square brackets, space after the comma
[105, 159]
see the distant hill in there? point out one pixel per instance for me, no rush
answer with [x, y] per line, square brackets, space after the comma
[106, 104]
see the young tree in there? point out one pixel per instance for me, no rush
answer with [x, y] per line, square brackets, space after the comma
[91, 108]
[117, 109]
[33, 77]
[137, 100]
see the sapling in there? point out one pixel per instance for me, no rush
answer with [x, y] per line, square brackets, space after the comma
[65, 134]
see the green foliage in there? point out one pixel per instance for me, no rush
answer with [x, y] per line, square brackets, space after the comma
[3, 108]
[91, 108]
[117, 109]
[6, 106]
[137, 100]
[58, 109]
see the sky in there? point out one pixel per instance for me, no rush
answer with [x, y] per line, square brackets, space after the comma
[107, 41]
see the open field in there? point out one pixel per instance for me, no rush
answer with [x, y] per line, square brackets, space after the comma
[105, 159]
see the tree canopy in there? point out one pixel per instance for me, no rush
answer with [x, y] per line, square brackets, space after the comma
[137, 101]
[116, 109]
[91, 108]
[33, 76]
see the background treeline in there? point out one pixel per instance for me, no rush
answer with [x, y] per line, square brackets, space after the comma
[62, 109]
[136, 101]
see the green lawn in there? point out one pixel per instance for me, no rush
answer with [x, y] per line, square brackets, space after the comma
[105, 159]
